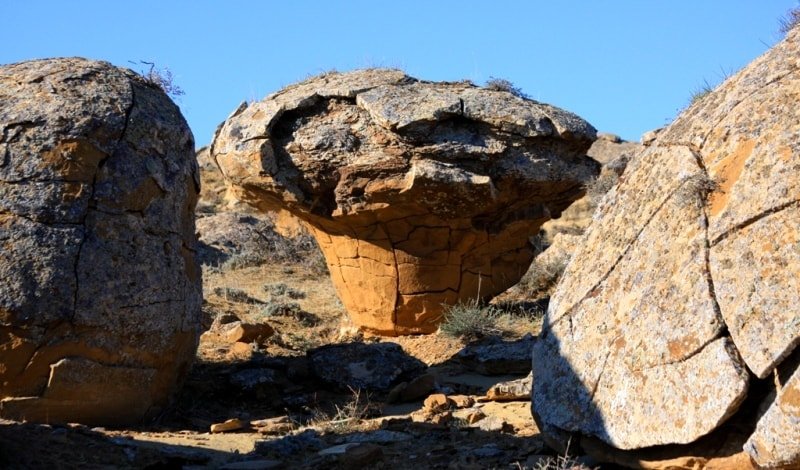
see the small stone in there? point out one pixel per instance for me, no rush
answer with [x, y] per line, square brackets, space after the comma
[512, 390]
[437, 402]
[441, 418]
[337, 450]
[475, 416]
[249, 332]
[278, 425]
[361, 455]
[233, 424]
[462, 401]
[492, 424]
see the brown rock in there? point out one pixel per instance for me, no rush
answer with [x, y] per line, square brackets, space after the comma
[249, 332]
[99, 287]
[687, 274]
[512, 390]
[462, 401]
[420, 194]
[241, 351]
[437, 402]
[233, 424]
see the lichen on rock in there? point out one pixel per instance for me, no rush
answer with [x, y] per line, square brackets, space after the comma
[99, 287]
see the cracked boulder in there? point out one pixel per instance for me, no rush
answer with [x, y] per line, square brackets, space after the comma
[420, 194]
[99, 287]
[685, 290]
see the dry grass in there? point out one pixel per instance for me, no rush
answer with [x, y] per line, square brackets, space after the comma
[347, 418]
[789, 21]
[470, 319]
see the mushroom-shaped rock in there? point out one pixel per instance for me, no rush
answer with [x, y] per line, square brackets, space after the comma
[687, 277]
[420, 194]
[99, 288]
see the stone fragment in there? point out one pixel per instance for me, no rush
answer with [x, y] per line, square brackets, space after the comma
[519, 389]
[437, 402]
[376, 366]
[462, 401]
[278, 425]
[249, 332]
[776, 440]
[233, 424]
[420, 194]
[100, 291]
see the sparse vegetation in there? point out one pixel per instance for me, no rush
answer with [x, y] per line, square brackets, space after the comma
[161, 78]
[470, 319]
[282, 290]
[701, 92]
[695, 188]
[789, 21]
[347, 418]
[542, 276]
[501, 84]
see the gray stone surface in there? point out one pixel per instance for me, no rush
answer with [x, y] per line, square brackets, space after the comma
[687, 276]
[98, 183]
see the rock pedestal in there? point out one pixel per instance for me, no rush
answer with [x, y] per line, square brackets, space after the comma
[99, 288]
[420, 194]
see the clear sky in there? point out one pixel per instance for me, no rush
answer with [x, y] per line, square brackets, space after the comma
[626, 66]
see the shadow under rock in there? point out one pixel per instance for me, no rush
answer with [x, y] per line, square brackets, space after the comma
[34, 446]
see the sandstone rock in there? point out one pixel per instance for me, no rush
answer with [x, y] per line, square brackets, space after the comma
[377, 366]
[462, 401]
[512, 390]
[99, 287]
[249, 332]
[437, 402]
[650, 136]
[776, 440]
[233, 424]
[420, 194]
[687, 277]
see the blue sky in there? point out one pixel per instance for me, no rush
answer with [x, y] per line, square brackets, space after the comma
[626, 66]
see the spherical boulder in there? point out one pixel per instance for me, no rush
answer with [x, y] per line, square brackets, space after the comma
[100, 291]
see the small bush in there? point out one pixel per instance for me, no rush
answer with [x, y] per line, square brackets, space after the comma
[470, 320]
[501, 84]
[347, 418]
[695, 188]
[542, 277]
[161, 78]
[283, 290]
[700, 92]
[789, 21]
[232, 294]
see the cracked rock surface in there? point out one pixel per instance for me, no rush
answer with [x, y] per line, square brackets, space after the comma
[686, 286]
[420, 194]
[100, 291]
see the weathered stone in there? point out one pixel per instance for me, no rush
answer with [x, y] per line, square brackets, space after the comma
[420, 194]
[377, 366]
[233, 424]
[437, 402]
[99, 286]
[776, 440]
[512, 390]
[249, 332]
[688, 272]
[499, 357]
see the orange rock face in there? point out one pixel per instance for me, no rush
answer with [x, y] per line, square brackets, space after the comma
[419, 194]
